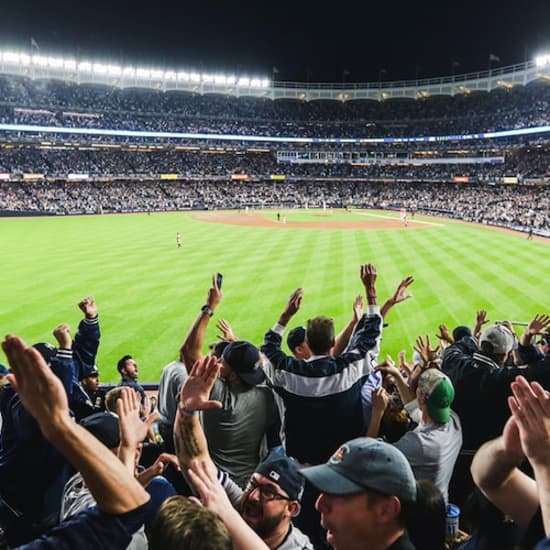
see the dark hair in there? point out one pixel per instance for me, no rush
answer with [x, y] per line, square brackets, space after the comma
[122, 363]
[320, 335]
[426, 518]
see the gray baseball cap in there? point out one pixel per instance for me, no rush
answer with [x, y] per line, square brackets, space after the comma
[499, 337]
[362, 464]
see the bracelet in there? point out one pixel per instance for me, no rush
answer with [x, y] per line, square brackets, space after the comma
[184, 412]
[207, 310]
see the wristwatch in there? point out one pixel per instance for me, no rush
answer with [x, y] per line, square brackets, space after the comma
[206, 309]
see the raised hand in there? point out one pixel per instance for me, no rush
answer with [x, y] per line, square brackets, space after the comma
[40, 391]
[444, 334]
[195, 392]
[294, 302]
[539, 325]
[530, 406]
[481, 319]
[226, 331]
[214, 296]
[62, 334]
[401, 294]
[88, 307]
[425, 350]
[368, 277]
[133, 430]
[380, 400]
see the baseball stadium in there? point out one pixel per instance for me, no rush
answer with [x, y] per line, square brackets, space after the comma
[138, 185]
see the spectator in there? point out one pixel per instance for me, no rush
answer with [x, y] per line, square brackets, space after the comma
[366, 488]
[237, 432]
[129, 372]
[431, 448]
[272, 495]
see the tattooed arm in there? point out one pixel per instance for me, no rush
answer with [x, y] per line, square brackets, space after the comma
[189, 438]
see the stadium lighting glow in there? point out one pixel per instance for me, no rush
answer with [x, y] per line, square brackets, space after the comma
[107, 69]
[542, 60]
[265, 139]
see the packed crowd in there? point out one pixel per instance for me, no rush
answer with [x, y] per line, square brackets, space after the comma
[250, 447]
[514, 206]
[211, 161]
[64, 104]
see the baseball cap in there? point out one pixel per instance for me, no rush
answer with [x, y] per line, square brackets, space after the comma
[499, 337]
[439, 392]
[460, 332]
[4, 370]
[284, 471]
[104, 426]
[295, 338]
[88, 372]
[47, 351]
[362, 464]
[244, 359]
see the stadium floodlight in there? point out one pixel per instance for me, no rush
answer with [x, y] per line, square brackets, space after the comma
[220, 79]
[85, 67]
[10, 57]
[170, 75]
[69, 64]
[40, 60]
[129, 71]
[100, 68]
[143, 73]
[244, 81]
[55, 62]
[182, 75]
[114, 70]
[542, 60]
[157, 74]
[231, 79]
[195, 77]
[205, 77]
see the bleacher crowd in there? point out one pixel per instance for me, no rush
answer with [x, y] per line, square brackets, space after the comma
[513, 206]
[27, 101]
[323, 445]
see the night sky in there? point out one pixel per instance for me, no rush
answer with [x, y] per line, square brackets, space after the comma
[317, 41]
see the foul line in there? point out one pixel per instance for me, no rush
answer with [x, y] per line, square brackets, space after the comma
[397, 218]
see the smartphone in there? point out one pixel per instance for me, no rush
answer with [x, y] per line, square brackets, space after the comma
[219, 280]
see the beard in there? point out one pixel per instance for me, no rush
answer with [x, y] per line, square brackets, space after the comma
[263, 526]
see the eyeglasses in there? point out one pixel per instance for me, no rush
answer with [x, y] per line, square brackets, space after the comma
[267, 492]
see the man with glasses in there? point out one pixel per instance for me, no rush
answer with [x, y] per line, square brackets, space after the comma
[272, 496]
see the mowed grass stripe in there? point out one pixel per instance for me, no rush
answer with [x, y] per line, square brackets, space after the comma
[150, 292]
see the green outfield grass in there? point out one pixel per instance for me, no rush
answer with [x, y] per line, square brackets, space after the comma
[149, 291]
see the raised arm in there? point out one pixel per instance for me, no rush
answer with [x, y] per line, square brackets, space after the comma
[495, 470]
[42, 394]
[527, 350]
[481, 319]
[530, 407]
[388, 367]
[214, 497]
[191, 350]
[400, 295]
[342, 340]
[133, 430]
[189, 439]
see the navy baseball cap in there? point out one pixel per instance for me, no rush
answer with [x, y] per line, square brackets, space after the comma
[244, 359]
[284, 471]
